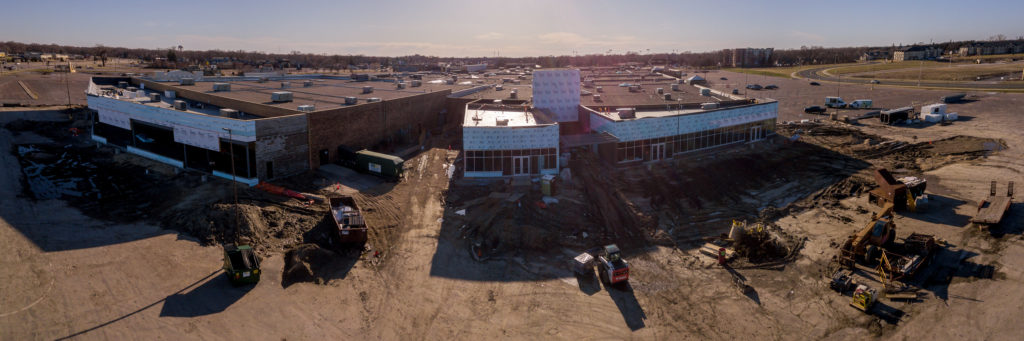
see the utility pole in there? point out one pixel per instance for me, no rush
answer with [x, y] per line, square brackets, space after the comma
[234, 184]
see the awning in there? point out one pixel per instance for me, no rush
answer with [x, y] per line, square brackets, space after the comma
[570, 141]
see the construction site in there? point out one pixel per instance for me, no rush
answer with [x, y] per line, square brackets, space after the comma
[519, 203]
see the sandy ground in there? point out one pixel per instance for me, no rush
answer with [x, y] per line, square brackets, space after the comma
[65, 274]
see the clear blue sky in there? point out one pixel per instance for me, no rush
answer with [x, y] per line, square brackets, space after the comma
[511, 28]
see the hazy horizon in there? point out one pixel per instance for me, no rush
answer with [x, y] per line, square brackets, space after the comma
[512, 29]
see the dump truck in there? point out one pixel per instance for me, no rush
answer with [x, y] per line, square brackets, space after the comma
[241, 264]
[867, 244]
[351, 228]
[611, 267]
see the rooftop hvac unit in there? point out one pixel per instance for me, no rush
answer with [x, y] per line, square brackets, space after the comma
[499, 87]
[599, 89]
[281, 96]
[660, 90]
[285, 85]
[449, 81]
[307, 108]
[675, 87]
[350, 100]
[708, 106]
[705, 92]
[221, 86]
[597, 97]
[180, 105]
[187, 81]
[230, 113]
[367, 89]
[373, 99]
[506, 80]
[122, 84]
[625, 113]
[515, 81]
[169, 94]
[132, 88]
[262, 80]
[634, 88]
[416, 83]
[513, 94]
[307, 84]
[668, 97]
[501, 122]
[400, 85]
[154, 97]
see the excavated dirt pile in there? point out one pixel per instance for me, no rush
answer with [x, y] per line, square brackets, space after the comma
[306, 263]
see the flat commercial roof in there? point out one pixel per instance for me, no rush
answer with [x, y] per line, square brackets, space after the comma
[615, 95]
[324, 93]
[515, 115]
[688, 109]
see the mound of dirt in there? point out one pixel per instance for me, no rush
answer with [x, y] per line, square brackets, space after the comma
[306, 263]
[505, 235]
[270, 228]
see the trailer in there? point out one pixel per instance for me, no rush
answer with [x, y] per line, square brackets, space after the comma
[993, 208]
[894, 116]
[351, 228]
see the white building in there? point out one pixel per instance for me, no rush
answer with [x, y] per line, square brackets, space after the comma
[508, 140]
[558, 91]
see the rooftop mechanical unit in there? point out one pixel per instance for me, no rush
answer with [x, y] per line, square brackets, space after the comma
[660, 90]
[367, 89]
[705, 92]
[187, 81]
[675, 87]
[416, 83]
[668, 97]
[597, 97]
[501, 122]
[169, 94]
[221, 86]
[513, 94]
[499, 87]
[307, 108]
[599, 89]
[350, 100]
[180, 105]
[262, 80]
[285, 85]
[625, 113]
[122, 84]
[281, 96]
[708, 106]
[154, 97]
[400, 85]
[231, 113]
[132, 88]
[306, 84]
[373, 99]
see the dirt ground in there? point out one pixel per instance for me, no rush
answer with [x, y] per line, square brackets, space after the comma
[75, 267]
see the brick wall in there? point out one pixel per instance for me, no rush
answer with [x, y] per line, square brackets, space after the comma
[284, 141]
[369, 124]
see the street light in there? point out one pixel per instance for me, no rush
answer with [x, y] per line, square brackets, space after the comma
[234, 184]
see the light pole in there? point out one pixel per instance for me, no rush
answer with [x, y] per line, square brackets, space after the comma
[234, 184]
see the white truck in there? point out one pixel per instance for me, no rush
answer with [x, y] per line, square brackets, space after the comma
[861, 104]
[834, 102]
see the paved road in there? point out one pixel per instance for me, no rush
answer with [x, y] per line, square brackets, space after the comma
[813, 74]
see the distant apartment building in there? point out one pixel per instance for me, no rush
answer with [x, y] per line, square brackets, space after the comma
[917, 52]
[990, 48]
[752, 57]
[875, 55]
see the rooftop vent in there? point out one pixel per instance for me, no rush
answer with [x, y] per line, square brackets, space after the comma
[307, 108]
[187, 81]
[499, 87]
[501, 122]
[373, 99]
[668, 97]
[634, 88]
[285, 85]
[281, 96]
[180, 105]
[449, 81]
[169, 94]
[597, 97]
[625, 113]
[660, 90]
[307, 84]
[367, 89]
[705, 92]
[416, 83]
[400, 85]
[513, 94]
[675, 87]
[154, 97]
[710, 105]
[230, 113]
[221, 86]
[599, 89]
[350, 100]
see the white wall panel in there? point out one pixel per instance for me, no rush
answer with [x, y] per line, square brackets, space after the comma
[557, 91]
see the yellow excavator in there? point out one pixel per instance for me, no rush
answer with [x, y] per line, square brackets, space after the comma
[867, 244]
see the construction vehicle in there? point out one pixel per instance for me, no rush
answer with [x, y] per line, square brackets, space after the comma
[905, 194]
[241, 264]
[993, 208]
[842, 281]
[611, 267]
[863, 298]
[867, 244]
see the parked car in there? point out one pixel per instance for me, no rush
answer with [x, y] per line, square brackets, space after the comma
[770, 87]
[875, 81]
[814, 109]
[754, 87]
[815, 83]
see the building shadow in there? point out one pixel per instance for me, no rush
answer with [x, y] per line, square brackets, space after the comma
[887, 313]
[212, 297]
[941, 210]
[629, 307]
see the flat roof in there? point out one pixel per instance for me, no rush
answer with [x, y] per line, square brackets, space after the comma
[324, 93]
[168, 103]
[686, 109]
[616, 95]
[488, 115]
